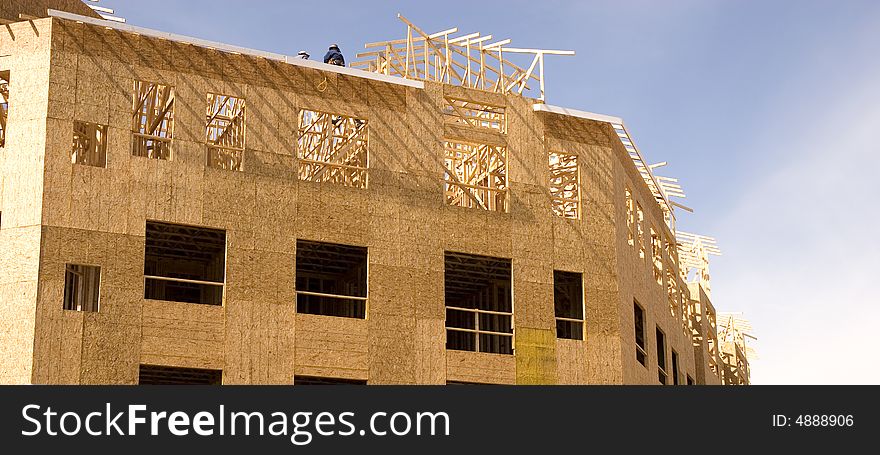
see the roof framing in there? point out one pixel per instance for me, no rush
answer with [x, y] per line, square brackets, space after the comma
[465, 60]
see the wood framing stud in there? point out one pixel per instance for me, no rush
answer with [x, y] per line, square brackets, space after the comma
[152, 120]
[565, 194]
[656, 256]
[225, 131]
[333, 148]
[89, 144]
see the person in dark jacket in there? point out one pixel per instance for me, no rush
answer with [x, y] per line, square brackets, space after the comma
[334, 56]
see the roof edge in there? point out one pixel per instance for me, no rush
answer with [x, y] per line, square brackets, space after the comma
[291, 60]
[541, 107]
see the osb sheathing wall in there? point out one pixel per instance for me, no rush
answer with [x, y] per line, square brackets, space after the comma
[636, 282]
[97, 216]
[587, 246]
[24, 48]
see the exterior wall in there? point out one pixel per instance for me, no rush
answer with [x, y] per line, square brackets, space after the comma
[97, 216]
[587, 246]
[24, 51]
[636, 282]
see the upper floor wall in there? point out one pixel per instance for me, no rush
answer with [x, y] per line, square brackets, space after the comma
[93, 75]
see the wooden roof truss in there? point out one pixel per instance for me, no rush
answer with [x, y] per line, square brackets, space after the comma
[693, 255]
[734, 329]
[89, 144]
[470, 60]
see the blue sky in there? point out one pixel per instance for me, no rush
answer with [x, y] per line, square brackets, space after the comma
[767, 111]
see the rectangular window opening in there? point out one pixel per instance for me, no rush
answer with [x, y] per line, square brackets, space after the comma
[82, 287]
[565, 194]
[630, 218]
[688, 312]
[661, 356]
[225, 132]
[333, 148]
[166, 375]
[475, 115]
[152, 120]
[672, 294]
[568, 300]
[4, 105]
[639, 322]
[640, 230]
[184, 263]
[657, 257]
[331, 279]
[671, 251]
[479, 306]
[317, 380]
[476, 175]
[675, 378]
[89, 144]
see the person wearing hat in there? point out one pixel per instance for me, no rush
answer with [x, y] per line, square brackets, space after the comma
[334, 56]
[303, 55]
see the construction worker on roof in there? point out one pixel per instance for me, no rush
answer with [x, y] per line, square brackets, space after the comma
[334, 56]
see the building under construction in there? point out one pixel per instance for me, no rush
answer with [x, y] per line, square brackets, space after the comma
[174, 210]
